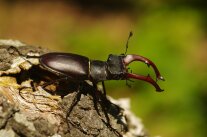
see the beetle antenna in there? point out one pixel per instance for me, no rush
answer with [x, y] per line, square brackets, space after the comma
[130, 35]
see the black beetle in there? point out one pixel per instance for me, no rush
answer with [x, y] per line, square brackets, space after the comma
[75, 67]
[79, 68]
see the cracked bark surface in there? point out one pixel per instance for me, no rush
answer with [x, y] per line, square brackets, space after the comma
[27, 109]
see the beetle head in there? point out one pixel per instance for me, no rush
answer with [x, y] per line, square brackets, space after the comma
[117, 69]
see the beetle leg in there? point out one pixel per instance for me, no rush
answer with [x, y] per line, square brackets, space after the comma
[73, 104]
[55, 81]
[145, 78]
[95, 97]
[130, 58]
[100, 98]
[75, 100]
[104, 89]
[13, 49]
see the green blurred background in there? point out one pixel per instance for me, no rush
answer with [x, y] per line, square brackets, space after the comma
[172, 33]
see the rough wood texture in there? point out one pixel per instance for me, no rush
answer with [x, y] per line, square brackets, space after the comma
[27, 109]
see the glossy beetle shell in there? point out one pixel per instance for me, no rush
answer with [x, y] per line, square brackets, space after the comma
[74, 66]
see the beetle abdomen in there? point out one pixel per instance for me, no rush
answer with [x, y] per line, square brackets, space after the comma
[73, 65]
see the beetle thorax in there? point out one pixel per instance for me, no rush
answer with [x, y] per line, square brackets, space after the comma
[98, 70]
[112, 69]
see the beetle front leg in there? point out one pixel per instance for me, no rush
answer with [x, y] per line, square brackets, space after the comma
[104, 89]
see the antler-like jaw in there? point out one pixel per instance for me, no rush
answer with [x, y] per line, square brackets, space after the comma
[130, 58]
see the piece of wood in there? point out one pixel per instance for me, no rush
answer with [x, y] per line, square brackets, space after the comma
[27, 109]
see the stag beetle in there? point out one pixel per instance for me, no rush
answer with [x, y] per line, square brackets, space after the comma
[80, 68]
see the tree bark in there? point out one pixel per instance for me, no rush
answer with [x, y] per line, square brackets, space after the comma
[29, 109]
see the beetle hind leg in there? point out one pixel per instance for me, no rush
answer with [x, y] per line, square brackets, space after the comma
[103, 101]
[12, 50]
